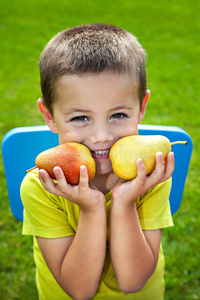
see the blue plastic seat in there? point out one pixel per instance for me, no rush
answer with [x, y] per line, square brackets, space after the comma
[20, 146]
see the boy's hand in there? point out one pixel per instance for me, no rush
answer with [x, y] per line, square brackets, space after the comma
[86, 198]
[127, 192]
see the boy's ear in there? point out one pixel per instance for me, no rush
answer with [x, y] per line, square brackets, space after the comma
[143, 107]
[47, 115]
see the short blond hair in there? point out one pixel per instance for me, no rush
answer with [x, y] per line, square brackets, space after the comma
[91, 48]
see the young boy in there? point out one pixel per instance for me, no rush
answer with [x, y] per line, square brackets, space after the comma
[100, 239]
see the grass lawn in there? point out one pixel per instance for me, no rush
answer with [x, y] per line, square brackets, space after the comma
[170, 33]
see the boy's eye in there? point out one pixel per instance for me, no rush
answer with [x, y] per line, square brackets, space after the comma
[79, 119]
[118, 116]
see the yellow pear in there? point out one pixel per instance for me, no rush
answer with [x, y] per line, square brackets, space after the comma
[127, 150]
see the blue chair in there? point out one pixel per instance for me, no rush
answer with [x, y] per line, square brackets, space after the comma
[20, 146]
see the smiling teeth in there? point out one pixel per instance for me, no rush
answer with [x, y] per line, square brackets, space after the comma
[102, 152]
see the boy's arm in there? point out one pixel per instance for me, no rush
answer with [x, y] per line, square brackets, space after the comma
[134, 253]
[76, 262]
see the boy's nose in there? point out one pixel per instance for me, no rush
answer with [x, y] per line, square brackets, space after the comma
[101, 135]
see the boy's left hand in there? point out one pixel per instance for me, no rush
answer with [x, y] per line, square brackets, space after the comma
[127, 192]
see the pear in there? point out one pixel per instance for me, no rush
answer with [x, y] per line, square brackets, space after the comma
[69, 157]
[127, 150]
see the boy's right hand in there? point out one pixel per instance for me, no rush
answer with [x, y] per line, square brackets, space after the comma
[87, 199]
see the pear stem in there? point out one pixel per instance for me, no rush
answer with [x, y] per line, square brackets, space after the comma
[179, 142]
[31, 169]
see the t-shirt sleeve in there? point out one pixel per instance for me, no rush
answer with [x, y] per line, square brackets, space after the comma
[154, 208]
[45, 214]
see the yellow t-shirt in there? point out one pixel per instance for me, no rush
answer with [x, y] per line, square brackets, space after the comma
[50, 216]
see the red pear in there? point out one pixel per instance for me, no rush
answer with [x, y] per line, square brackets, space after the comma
[69, 157]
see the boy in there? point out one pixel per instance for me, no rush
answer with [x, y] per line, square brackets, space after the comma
[100, 239]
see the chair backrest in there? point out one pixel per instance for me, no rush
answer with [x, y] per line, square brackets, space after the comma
[20, 146]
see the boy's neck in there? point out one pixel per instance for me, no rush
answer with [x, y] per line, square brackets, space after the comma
[104, 183]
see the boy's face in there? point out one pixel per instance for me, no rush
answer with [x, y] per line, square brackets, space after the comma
[96, 111]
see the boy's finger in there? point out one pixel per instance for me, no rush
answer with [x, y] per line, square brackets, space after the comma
[83, 179]
[61, 180]
[46, 181]
[58, 172]
[165, 169]
[160, 167]
[170, 162]
[157, 175]
[141, 170]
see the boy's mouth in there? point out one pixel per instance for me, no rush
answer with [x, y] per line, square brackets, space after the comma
[100, 154]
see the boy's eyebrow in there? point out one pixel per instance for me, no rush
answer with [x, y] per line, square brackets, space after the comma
[76, 110]
[121, 106]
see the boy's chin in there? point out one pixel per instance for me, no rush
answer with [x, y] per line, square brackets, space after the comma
[103, 169]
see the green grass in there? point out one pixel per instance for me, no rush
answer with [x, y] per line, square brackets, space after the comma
[169, 31]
